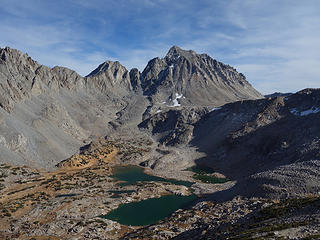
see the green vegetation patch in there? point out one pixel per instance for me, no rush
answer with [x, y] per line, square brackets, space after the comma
[272, 218]
[200, 169]
[209, 179]
[131, 175]
[202, 173]
[286, 206]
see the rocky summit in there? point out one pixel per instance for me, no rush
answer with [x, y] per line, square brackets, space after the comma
[76, 150]
[194, 79]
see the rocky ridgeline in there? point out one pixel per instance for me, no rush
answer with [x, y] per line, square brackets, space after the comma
[47, 114]
[22, 77]
[201, 79]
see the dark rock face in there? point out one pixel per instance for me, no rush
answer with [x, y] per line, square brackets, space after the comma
[135, 79]
[264, 143]
[278, 129]
[199, 78]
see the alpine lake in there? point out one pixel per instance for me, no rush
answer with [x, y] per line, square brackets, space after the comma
[152, 210]
[147, 211]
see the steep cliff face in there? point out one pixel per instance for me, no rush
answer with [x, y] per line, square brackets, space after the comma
[175, 126]
[17, 72]
[110, 76]
[197, 78]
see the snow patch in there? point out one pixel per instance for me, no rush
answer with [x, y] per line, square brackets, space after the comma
[178, 96]
[159, 111]
[171, 68]
[215, 109]
[175, 101]
[295, 112]
[312, 110]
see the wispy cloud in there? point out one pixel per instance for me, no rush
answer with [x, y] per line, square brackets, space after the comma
[278, 49]
[274, 43]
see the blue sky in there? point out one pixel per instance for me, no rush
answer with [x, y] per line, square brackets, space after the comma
[275, 43]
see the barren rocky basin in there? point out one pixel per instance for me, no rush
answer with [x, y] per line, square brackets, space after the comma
[92, 157]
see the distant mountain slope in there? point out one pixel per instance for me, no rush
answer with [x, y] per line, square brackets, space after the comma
[272, 147]
[277, 94]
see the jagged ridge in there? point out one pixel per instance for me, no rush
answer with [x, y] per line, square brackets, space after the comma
[47, 113]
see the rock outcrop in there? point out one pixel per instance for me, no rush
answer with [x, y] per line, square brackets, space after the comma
[174, 126]
[111, 76]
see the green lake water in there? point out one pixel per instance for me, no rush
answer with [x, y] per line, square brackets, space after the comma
[149, 211]
[133, 174]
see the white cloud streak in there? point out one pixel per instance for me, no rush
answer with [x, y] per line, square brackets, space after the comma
[274, 43]
[280, 49]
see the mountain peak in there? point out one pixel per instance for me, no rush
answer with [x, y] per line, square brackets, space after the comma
[176, 52]
[174, 49]
[105, 66]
